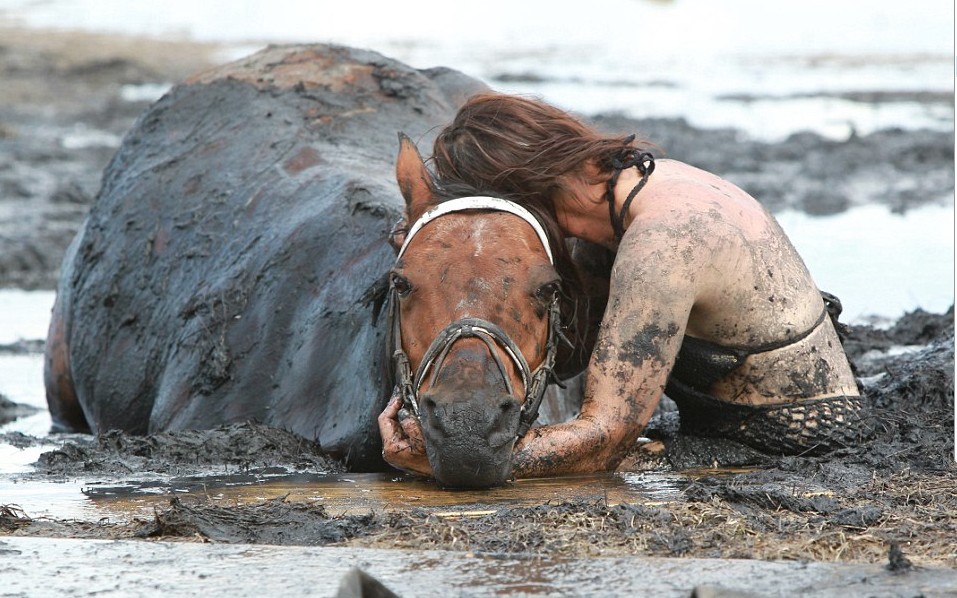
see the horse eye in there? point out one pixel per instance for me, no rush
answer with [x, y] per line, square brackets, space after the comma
[401, 284]
[547, 292]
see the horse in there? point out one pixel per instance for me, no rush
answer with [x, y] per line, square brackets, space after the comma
[231, 270]
[227, 269]
[476, 314]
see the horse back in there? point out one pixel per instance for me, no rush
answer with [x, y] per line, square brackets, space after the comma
[225, 269]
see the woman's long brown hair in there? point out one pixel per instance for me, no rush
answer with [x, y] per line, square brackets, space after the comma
[520, 147]
[522, 150]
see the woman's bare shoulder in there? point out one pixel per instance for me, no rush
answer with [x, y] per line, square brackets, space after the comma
[702, 207]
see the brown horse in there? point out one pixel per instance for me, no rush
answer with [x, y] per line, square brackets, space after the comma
[476, 317]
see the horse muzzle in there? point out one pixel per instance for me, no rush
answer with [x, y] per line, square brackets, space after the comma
[469, 436]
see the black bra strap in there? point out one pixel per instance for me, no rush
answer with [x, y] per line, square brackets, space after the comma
[627, 158]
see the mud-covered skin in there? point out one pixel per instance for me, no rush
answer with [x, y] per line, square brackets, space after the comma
[803, 370]
[223, 273]
[701, 258]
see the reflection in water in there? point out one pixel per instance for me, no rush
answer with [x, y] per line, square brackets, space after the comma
[350, 494]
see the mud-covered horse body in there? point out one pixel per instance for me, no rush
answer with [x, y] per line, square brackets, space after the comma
[223, 273]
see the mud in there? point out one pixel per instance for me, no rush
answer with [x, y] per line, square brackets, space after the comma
[809, 173]
[240, 447]
[11, 411]
[890, 500]
[68, 98]
[66, 101]
[126, 567]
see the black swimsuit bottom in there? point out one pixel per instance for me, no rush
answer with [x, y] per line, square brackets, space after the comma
[701, 363]
[799, 427]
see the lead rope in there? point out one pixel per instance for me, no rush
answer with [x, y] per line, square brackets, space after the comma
[627, 158]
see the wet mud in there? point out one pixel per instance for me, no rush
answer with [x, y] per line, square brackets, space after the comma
[127, 568]
[239, 447]
[889, 500]
[11, 411]
[66, 101]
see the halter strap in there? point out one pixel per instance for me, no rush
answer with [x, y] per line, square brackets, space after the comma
[479, 202]
[488, 333]
[534, 381]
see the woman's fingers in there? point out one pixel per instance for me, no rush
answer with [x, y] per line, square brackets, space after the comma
[403, 446]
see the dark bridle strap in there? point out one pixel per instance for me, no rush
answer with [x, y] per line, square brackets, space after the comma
[629, 157]
[400, 361]
[544, 373]
[485, 331]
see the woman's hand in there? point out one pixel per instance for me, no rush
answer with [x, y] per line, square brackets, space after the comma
[403, 446]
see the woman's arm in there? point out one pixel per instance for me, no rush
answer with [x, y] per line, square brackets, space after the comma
[653, 288]
[651, 296]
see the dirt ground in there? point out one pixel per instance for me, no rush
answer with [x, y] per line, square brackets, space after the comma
[66, 101]
[891, 499]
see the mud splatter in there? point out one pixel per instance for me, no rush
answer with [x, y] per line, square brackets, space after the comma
[644, 345]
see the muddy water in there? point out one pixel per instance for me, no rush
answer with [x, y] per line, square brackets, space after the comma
[340, 494]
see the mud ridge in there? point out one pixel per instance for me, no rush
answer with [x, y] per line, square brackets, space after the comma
[238, 447]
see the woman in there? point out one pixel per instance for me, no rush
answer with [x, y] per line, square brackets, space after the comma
[708, 301]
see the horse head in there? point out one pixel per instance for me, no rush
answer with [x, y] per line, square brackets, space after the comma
[475, 308]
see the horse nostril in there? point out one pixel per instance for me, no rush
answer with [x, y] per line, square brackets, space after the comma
[508, 408]
[428, 404]
[507, 405]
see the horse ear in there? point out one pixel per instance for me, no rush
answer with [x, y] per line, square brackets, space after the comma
[414, 179]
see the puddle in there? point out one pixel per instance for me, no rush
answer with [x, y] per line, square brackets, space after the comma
[21, 381]
[850, 256]
[789, 79]
[24, 314]
[340, 494]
